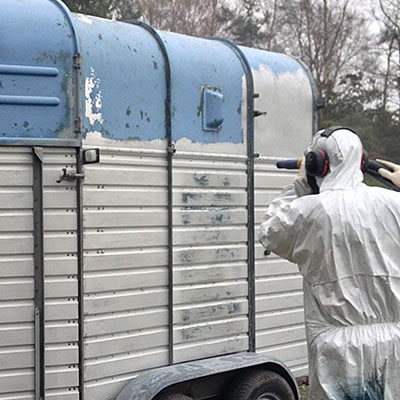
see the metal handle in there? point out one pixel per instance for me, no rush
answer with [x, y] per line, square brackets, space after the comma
[69, 176]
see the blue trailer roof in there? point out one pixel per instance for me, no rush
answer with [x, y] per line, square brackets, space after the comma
[36, 72]
[124, 80]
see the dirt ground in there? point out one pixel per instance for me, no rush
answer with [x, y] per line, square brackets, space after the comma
[304, 392]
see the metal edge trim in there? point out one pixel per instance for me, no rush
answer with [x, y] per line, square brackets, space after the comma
[38, 256]
[66, 11]
[76, 56]
[170, 153]
[250, 188]
[81, 289]
[31, 142]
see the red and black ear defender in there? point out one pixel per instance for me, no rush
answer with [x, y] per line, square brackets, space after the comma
[364, 161]
[317, 162]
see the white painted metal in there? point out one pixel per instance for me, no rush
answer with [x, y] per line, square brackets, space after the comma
[16, 273]
[126, 272]
[17, 276]
[283, 132]
[279, 297]
[125, 263]
[210, 252]
[61, 275]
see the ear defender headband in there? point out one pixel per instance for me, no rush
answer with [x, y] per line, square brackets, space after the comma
[317, 162]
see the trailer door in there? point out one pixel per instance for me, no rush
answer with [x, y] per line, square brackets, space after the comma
[39, 352]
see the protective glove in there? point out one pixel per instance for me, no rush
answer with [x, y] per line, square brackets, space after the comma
[301, 186]
[392, 176]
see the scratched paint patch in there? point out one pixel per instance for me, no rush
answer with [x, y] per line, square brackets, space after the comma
[93, 98]
[85, 19]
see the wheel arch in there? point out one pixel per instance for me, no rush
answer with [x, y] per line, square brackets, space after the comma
[282, 370]
[150, 383]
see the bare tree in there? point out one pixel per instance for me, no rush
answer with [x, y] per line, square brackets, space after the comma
[391, 40]
[103, 8]
[123, 9]
[254, 23]
[328, 35]
[191, 17]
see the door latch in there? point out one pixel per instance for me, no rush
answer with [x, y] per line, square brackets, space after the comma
[69, 176]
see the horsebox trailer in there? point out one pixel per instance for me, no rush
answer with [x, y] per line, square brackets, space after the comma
[135, 166]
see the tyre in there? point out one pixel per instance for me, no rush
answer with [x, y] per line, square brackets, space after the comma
[260, 385]
[174, 396]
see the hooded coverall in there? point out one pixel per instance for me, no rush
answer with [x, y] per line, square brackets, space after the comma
[346, 242]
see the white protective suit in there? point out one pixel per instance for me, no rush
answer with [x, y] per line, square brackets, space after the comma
[346, 241]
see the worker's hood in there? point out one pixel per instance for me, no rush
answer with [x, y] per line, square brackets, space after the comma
[344, 150]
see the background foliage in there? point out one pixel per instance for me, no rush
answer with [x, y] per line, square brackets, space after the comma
[352, 51]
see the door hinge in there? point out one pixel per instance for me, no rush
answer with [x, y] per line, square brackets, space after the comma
[77, 61]
[78, 125]
[171, 149]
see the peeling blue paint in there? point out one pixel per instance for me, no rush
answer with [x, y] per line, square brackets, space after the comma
[122, 96]
[132, 91]
[225, 253]
[37, 75]
[277, 63]
[201, 179]
[186, 197]
[222, 196]
[196, 63]
[186, 219]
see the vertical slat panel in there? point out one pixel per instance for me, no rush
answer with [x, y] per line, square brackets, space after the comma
[210, 256]
[125, 266]
[17, 331]
[61, 275]
[279, 297]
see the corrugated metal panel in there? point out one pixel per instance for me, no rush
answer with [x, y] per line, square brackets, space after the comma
[16, 288]
[126, 273]
[107, 388]
[291, 353]
[17, 275]
[61, 272]
[211, 348]
[103, 367]
[210, 311]
[210, 256]
[279, 297]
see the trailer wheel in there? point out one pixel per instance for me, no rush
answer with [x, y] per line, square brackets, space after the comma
[174, 396]
[260, 385]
